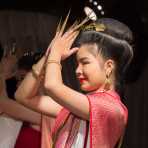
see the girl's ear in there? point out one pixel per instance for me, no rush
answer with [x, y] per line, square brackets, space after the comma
[109, 67]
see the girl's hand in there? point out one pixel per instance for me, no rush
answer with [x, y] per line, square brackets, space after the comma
[62, 43]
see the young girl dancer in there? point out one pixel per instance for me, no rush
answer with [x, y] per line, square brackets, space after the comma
[97, 118]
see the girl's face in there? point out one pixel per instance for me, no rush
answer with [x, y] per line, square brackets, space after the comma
[90, 69]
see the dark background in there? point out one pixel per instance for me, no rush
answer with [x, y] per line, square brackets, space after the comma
[134, 13]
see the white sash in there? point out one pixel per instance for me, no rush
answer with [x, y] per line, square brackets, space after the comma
[9, 130]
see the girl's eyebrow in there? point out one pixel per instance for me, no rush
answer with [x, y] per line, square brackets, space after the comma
[83, 59]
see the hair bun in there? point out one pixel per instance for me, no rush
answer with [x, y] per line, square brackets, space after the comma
[116, 29]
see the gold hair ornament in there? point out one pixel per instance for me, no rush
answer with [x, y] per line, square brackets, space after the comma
[95, 27]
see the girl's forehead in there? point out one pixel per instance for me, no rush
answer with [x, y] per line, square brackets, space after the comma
[87, 49]
[89, 52]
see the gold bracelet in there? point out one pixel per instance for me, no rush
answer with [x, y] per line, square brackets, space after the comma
[55, 62]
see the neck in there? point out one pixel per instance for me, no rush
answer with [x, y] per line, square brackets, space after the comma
[106, 87]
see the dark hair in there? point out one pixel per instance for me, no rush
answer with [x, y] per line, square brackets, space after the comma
[27, 60]
[113, 43]
[116, 29]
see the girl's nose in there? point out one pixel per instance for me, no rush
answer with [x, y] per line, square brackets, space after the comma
[79, 70]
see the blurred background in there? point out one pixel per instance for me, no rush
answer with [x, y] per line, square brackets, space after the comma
[30, 25]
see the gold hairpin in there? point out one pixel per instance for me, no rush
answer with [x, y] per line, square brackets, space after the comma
[94, 26]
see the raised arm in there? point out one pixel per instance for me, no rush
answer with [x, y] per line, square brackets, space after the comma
[27, 92]
[12, 108]
[74, 101]
[42, 104]
[17, 111]
[31, 83]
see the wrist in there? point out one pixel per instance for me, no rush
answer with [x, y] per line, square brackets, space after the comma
[54, 62]
[36, 73]
[54, 55]
[54, 58]
[40, 64]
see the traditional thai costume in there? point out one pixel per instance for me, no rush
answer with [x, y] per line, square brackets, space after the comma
[108, 118]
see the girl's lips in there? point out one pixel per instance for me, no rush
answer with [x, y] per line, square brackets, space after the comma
[82, 80]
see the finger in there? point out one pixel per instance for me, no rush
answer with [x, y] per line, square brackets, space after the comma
[64, 24]
[70, 29]
[59, 25]
[82, 23]
[70, 42]
[72, 26]
[73, 36]
[67, 34]
[52, 42]
[70, 34]
[54, 39]
[59, 32]
[73, 50]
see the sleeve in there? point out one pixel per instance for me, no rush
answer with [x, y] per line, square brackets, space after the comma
[106, 121]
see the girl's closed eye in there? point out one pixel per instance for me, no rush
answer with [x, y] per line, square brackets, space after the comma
[85, 62]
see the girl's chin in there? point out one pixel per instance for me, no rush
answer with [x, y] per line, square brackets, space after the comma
[86, 88]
